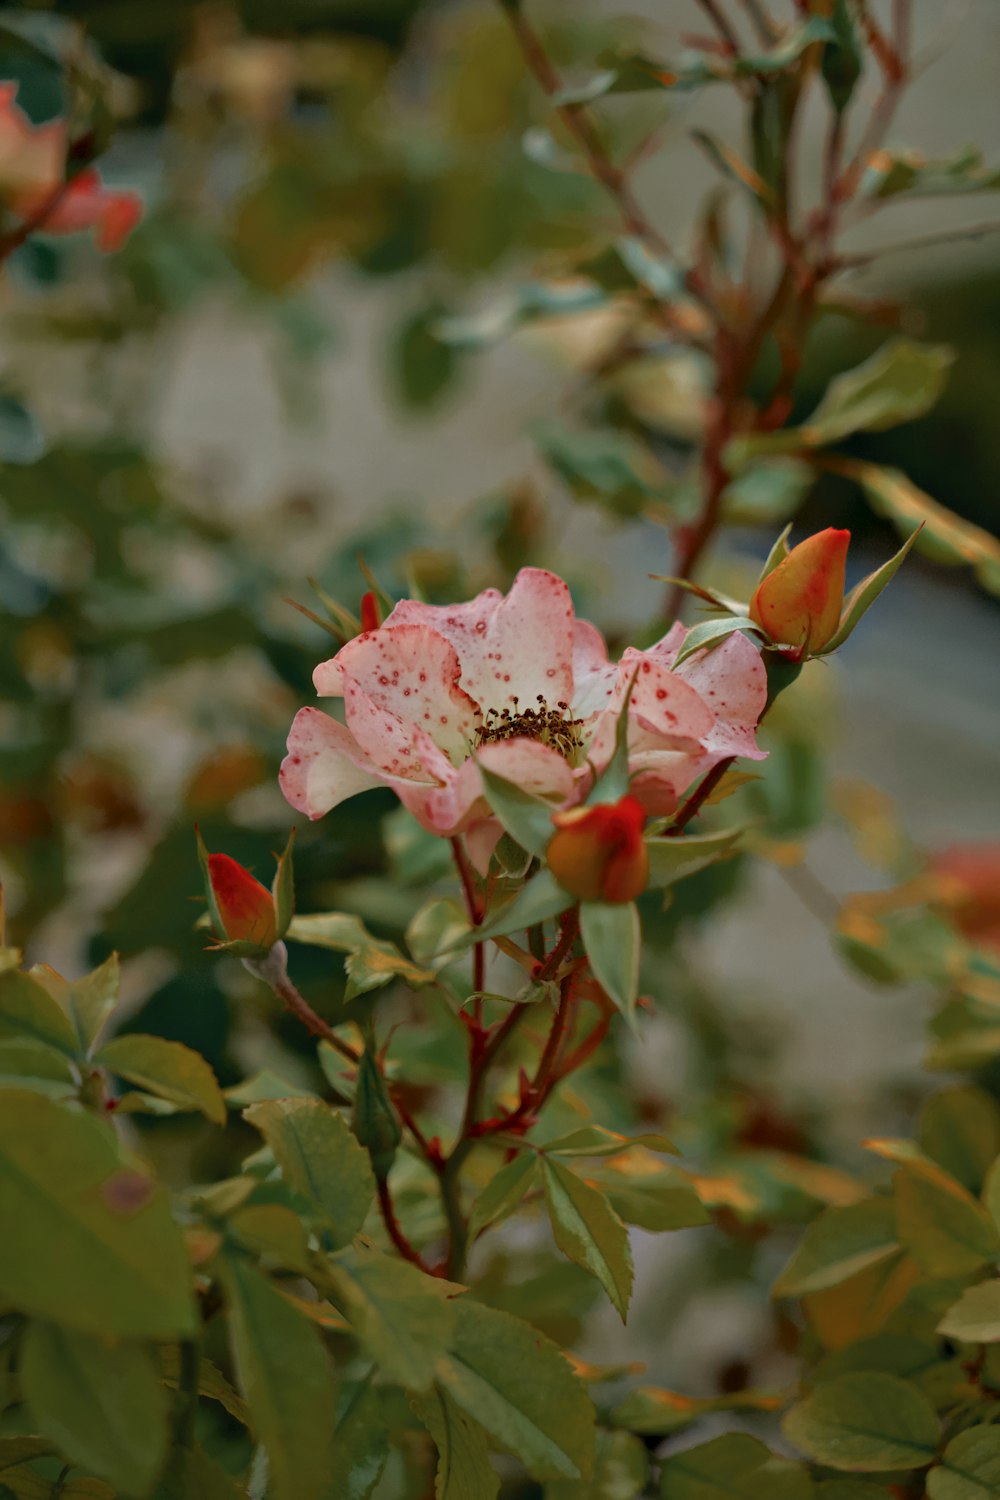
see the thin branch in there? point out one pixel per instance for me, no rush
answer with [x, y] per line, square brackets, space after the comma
[395, 1230]
[920, 242]
[722, 24]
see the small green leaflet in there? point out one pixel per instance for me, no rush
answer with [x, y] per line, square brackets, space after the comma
[588, 1231]
[865, 1421]
[169, 1070]
[611, 935]
[527, 819]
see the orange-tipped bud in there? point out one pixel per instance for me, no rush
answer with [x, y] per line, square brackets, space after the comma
[243, 908]
[799, 603]
[598, 853]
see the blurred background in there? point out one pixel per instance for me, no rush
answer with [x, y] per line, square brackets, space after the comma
[327, 340]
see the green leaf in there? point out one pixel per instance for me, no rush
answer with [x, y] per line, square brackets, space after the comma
[837, 1245]
[944, 537]
[842, 57]
[654, 1411]
[969, 1468]
[101, 1404]
[319, 1158]
[659, 1201]
[848, 1489]
[464, 1471]
[671, 860]
[975, 1317]
[613, 468]
[360, 1443]
[517, 1384]
[423, 365]
[435, 929]
[942, 1226]
[865, 1421]
[90, 1242]
[92, 999]
[211, 1383]
[168, 1069]
[960, 1130]
[192, 1475]
[370, 962]
[767, 493]
[596, 1140]
[588, 1231]
[263, 1086]
[543, 897]
[899, 382]
[861, 598]
[286, 1377]
[273, 1230]
[733, 1467]
[612, 937]
[401, 1317]
[621, 1471]
[504, 1192]
[526, 818]
[27, 1009]
[712, 633]
[908, 172]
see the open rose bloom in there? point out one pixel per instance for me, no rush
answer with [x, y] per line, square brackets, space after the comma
[517, 684]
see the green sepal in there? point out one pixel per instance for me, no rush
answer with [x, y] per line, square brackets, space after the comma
[526, 818]
[374, 1121]
[672, 859]
[612, 784]
[213, 910]
[710, 596]
[863, 596]
[543, 897]
[777, 554]
[283, 888]
[711, 633]
[612, 936]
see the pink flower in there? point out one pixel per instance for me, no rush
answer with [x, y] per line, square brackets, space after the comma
[33, 186]
[517, 683]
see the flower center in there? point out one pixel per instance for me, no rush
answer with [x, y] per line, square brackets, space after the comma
[552, 726]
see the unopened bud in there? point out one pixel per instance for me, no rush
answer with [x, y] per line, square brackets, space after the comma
[598, 854]
[799, 603]
[247, 918]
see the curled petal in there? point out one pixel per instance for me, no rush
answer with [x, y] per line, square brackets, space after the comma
[410, 674]
[324, 765]
[664, 710]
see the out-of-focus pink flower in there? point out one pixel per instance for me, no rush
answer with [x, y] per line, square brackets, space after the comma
[518, 684]
[33, 185]
[968, 881]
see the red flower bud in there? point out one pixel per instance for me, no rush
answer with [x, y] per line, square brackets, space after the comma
[968, 886]
[244, 908]
[371, 615]
[598, 854]
[799, 603]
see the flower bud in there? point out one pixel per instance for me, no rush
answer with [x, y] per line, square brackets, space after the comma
[248, 919]
[799, 603]
[598, 854]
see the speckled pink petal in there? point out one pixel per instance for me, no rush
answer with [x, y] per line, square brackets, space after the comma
[664, 709]
[396, 746]
[324, 765]
[732, 680]
[461, 624]
[527, 647]
[410, 672]
[593, 675]
[661, 778]
[534, 767]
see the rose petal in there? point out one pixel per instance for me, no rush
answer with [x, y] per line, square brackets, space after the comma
[324, 765]
[593, 675]
[732, 681]
[396, 746]
[664, 710]
[411, 672]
